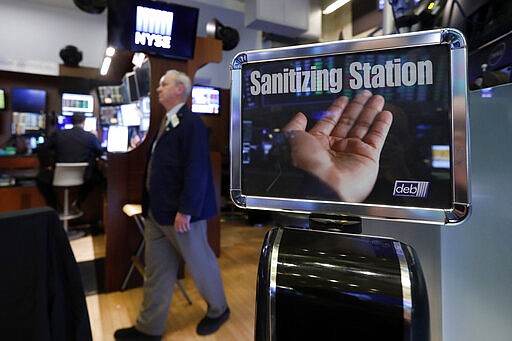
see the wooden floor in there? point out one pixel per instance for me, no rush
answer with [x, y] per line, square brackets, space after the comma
[240, 250]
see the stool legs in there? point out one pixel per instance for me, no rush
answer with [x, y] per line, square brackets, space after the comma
[132, 267]
[182, 289]
[136, 260]
[66, 210]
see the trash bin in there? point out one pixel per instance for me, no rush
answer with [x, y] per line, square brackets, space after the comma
[317, 285]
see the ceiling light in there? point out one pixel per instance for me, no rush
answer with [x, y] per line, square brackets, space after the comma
[110, 51]
[334, 6]
[105, 66]
[138, 58]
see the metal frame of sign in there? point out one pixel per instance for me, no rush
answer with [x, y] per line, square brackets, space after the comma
[456, 205]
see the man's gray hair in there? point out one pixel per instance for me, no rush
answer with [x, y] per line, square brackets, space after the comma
[181, 78]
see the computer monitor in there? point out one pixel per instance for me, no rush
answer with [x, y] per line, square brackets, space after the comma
[111, 94]
[27, 123]
[205, 100]
[143, 77]
[109, 114]
[117, 139]
[130, 115]
[104, 137]
[64, 122]
[72, 103]
[131, 86]
[90, 123]
[2, 99]
[28, 100]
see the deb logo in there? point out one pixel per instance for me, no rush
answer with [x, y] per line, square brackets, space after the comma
[153, 27]
[418, 189]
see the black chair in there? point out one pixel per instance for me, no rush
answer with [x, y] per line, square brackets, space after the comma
[42, 296]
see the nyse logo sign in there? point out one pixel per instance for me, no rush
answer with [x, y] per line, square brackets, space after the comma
[153, 27]
[418, 189]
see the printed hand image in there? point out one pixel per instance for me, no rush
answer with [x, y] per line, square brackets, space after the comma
[343, 148]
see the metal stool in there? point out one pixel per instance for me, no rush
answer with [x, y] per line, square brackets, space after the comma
[68, 175]
[135, 211]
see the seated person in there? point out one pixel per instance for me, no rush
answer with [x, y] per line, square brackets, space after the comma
[69, 145]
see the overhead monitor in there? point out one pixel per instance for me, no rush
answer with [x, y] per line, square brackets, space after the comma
[130, 84]
[404, 157]
[28, 100]
[143, 77]
[72, 103]
[153, 27]
[111, 94]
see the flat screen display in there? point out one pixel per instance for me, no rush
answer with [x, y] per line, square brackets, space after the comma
[205, 100]
[111, 94]
[302, 139]
[27, 123]
[130, 84]
[77, 103]
[143, 77]
[109, 115]
[90, 124]
[153, 27]
[28, 100]
[117, 140]
[64, 122]
[2, 99]
[130, 115]
[104, 137]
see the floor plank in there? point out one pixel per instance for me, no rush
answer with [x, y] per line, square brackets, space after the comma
[240, 250]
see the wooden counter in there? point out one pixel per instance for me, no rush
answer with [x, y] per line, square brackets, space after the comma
[15, 198]
[19, 162]
[26, 195]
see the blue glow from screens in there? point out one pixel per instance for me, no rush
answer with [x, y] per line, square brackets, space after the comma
[28, 100]
[487, 93]
[64, 122]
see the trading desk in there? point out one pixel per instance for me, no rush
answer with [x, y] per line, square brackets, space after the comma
[18, 189]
